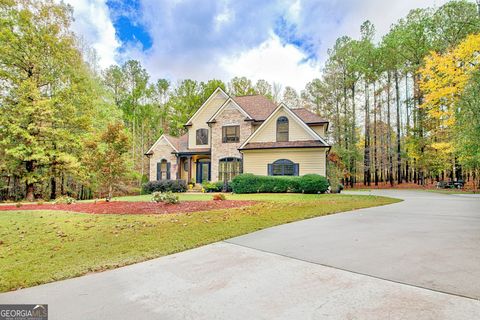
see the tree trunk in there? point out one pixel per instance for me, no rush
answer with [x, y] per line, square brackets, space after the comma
[408, 112]
[399, 149]
[62, 186]
[375, 155]
[354, 145]
[53, 188]
[389, 132]
[337, 125]
[345, 112]
[366, 161]
[30, 186]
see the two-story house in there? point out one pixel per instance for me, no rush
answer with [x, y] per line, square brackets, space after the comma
[248, 134]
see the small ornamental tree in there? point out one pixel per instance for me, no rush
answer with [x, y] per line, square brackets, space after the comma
[108, 158]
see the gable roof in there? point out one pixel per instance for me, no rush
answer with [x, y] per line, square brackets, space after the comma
[308, 116]
[217, 91]
[172, 141]
[257, 106]
[295, 117]
[224, 105]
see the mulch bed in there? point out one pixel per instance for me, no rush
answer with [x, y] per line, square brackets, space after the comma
[126, 207]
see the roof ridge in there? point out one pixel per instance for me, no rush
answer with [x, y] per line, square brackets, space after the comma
[250, 95]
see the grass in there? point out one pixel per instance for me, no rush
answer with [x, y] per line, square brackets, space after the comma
[42, 246]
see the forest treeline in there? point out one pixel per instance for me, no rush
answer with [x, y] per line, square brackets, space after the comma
[402, 109]
[405, 108]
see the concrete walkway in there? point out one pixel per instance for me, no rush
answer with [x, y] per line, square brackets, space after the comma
[418, 242]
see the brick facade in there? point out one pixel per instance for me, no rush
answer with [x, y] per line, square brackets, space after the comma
[163, 151]
[229, 116]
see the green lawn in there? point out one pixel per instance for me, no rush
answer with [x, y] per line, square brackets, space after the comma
[43, 246]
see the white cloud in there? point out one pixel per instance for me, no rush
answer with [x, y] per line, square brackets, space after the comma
[274, 62]
[324, 21]
[93, 24]
[226, 38]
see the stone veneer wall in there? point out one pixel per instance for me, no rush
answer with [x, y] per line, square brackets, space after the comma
[229, 116]
[163, 151]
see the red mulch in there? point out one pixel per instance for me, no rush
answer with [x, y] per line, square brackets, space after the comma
[126, 207]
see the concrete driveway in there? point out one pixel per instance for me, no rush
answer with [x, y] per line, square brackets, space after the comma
[418, 259]
[429, 240]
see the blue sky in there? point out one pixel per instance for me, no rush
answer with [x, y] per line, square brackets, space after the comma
[281, 41]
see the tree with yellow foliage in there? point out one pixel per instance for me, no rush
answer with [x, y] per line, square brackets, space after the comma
[443, 81]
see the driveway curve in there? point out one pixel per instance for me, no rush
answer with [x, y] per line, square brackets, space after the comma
[429, 240]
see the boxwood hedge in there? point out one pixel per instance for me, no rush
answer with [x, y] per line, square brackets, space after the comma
[164, 186]
[309, 183]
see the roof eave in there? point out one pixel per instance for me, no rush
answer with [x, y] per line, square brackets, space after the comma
[286, 147]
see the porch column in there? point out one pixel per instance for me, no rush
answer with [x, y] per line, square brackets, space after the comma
[178, 167]
[189, 169]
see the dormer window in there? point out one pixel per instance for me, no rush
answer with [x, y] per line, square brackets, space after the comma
[282, 129]
[202, 136]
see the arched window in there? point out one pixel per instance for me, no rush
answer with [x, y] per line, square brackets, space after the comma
[282, 129]
[228, 168]
[202, 136]
[283, 167]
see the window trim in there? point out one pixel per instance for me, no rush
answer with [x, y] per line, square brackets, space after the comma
[197, 140]
[283, 120]
[228, 175]
[225, 137]
[283, 163]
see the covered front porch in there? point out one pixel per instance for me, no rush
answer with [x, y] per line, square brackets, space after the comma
[194, 167]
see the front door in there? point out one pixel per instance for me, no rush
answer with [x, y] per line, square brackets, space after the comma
[203, 170]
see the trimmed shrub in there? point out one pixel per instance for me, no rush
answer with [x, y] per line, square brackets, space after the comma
[164, 186]
[166, 197]
[211, 187]
[222, 187]
[313, 183]
[249, 183]
[216, 186]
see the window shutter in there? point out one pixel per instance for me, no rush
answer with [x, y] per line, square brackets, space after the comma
[168, 170]
[270, 169]
[159, 171]
[296, 169]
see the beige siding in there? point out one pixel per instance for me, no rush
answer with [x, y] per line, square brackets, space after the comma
[163, 150]
[319, 129]
[200, 120]
[309, 160]
[268, 133]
